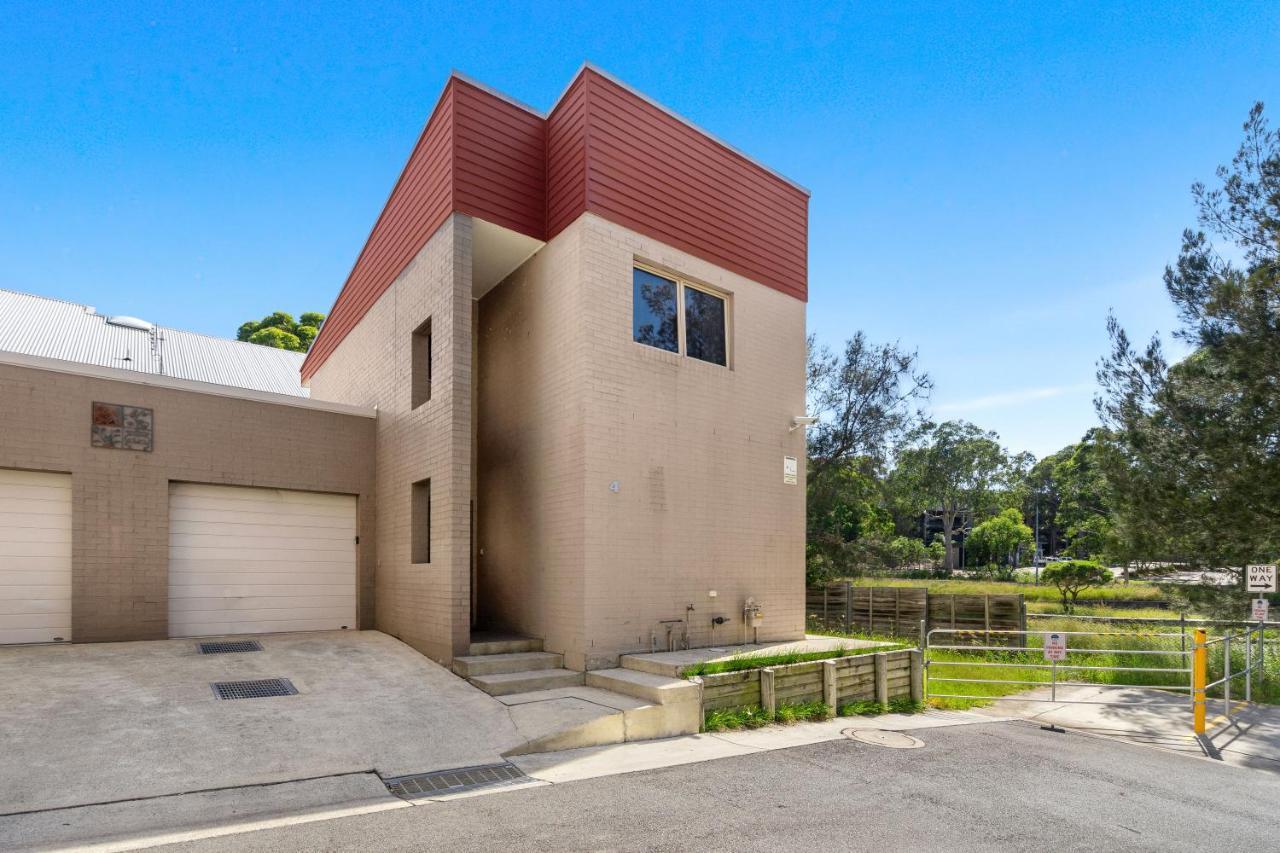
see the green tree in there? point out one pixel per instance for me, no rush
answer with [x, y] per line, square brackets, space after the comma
[1193, 461]
[866, 399]
[845, 512]
[1000, 539]
[281, 331]
[1084, 510]
[1042, 496]
[1072, 577]
[955, 468]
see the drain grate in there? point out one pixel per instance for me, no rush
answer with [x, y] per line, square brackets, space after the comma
[261, 689]
[228, 647]
[454, 781]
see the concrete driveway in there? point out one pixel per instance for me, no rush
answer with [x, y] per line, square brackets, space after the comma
[1250, 737]
[110, 722]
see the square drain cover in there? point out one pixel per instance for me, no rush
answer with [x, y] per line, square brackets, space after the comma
[261, 689]
[453, 781]
[230, 647]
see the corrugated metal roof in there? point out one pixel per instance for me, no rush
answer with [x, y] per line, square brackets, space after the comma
[51, 328]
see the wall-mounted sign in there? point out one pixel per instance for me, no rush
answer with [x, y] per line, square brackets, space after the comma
[790, 470]
[122, 427]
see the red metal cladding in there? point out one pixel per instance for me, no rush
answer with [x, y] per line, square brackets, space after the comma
[603, 149]
[567, 157]
[633, 163]
[499, 161]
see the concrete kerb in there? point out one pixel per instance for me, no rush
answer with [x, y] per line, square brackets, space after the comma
[548, 768]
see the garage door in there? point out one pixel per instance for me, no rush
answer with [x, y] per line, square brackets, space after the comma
[35, 557]
[247, 560]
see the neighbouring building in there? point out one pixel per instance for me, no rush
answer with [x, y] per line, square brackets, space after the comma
[555, 397]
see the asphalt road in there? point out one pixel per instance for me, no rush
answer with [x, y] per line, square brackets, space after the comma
[997, 786]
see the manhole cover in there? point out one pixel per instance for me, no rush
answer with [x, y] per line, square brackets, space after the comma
[880, 737]
[260, 689]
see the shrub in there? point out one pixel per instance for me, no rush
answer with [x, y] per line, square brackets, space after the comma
[1071, 577]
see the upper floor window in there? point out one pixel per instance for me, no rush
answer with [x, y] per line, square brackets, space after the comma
[677, 316]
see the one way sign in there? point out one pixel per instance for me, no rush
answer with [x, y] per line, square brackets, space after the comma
[1260, 578]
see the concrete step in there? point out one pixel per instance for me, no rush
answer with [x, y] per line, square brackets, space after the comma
[658, 689]
[501, 684]
[576, 717]
[471, 666]
[498, 644]
[651, 665]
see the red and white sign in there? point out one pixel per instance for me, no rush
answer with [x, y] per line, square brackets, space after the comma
[1260, 606]
[1055, 647]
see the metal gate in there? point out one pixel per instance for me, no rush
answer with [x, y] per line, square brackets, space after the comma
[987, 665]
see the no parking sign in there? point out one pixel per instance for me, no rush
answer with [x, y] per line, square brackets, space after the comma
[1055, 647]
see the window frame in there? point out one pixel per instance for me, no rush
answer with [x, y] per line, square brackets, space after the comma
[682, 283]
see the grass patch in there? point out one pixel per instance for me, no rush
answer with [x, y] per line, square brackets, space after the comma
[724, 719]
[756, 660]
[1055, 608]
[754, 717]
[862, 708]
[905, 705]
[801, 711]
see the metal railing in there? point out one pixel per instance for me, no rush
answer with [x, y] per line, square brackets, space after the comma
[1053, 682]
[1254, 660]
[1177, 669]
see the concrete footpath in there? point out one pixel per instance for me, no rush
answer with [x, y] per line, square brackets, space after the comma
[1249, 737]
[143, 823]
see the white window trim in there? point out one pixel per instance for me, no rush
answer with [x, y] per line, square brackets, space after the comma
[682, 283]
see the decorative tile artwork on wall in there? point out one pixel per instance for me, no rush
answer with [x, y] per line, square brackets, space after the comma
[122, 427]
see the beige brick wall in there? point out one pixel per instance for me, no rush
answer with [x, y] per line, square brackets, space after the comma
[698, 452]
[531, 400]
[425, 605]
[120, 498]
[568, 404]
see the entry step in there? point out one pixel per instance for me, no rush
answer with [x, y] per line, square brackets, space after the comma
[473, 665]
[501, 684]
[657, 689]
[486, 643]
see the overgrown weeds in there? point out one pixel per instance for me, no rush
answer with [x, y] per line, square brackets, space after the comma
[758, 660]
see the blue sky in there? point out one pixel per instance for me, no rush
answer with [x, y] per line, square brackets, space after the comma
[988, 179]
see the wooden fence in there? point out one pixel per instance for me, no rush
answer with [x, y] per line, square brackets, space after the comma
[898, 610]
[876, 676]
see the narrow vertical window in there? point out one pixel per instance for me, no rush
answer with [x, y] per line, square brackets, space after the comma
[420, 520]
[653, 314]
[421, 355]
[704, 326]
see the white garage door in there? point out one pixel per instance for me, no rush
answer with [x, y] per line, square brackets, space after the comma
[35, 557]
[246, 560]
